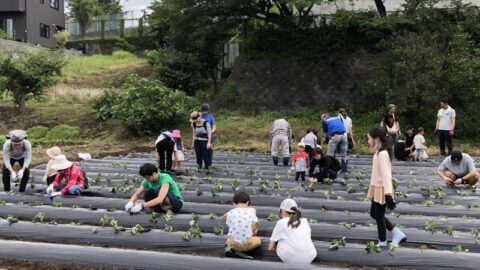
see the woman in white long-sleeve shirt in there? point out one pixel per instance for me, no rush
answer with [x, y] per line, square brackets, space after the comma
[16, 149]
[292, 238]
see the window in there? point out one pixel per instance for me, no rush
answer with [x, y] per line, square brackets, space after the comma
[44, 30]
[54, 4]
[6, 25]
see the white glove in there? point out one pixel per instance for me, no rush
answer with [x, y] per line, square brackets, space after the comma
[136, 208]
[44, 179]
[129, 206]
[50, 189]
[13, 176]
[54, 194]
[20, 173]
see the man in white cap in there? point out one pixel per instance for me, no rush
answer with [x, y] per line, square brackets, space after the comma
[71, 172]
[291, 238]
[457, 169]
[16, 149]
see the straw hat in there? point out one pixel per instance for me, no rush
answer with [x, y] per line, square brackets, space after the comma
[60, 162]
[53, 152]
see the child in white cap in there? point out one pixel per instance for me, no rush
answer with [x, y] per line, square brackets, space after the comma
[291, 238]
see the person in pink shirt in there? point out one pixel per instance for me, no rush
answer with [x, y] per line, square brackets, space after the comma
[73, 175]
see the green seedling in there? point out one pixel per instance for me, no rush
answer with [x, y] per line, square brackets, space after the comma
[11, 193]
[116, 226]
[276, 184]
[11, 219]
[426, 191]
[168, 228]
[216, 188]
[460, 248]
[273, 217]
[94, 230]
[347, 225]
[241, 162]
[105, 220]
[351, 190]
[462, 193]
[371, 246]
[199, 191]
[430, 225]
[40, 217]
[212, 216]
[394, 183]
[276, 177]
[476, 234]
[57, 204]
[343, 182]
[473, 204]
[154, 217]
[32, 181]
[448, 230]
[391, 248]
[335, 244]
[138, 229]
[312, 221]
[235, 184]
[167, 216]
[194, 230]
[328, 181]
[438, 192]
[207, 179]
[450, 202]
[73, 223]
[422, 248]
[2, 202]
[218, 230]
[428, 203]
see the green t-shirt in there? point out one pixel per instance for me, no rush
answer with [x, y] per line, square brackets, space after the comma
[162, 179]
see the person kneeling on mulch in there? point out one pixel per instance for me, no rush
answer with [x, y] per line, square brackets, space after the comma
[243, 227]
[161, 193]
[458, 168]
[75, 180]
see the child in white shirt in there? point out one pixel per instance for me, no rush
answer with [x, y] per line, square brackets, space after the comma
[243, 227]
[420, 148]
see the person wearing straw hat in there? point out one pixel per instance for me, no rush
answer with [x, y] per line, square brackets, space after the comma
[16, 149]
[71, 172]
[292, 238]
[50, 173]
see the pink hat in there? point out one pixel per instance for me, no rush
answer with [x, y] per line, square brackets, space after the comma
[176, 133]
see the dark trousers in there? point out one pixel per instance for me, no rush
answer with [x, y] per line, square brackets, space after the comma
[50, 179]
[325, 173]
[165, 148]
[300, 174]
[201, 152]
[445, 137]
[377, 212]
[170, 202]
[309, 151]
[6, 176]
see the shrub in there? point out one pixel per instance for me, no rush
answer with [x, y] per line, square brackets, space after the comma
[120, 54]
[178, 70]
[146, 106]
[103, 105]
[62, 37]
[38, 132]
[62, 132]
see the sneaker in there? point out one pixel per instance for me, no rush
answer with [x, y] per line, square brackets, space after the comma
[382, 244]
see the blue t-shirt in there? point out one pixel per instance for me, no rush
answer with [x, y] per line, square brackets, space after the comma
[209, 118]
[335, 125]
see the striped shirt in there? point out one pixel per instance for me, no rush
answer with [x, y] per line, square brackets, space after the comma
[281, 127]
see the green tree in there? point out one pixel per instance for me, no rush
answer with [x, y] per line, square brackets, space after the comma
[83, 11]
[109, 7]
[27, 74]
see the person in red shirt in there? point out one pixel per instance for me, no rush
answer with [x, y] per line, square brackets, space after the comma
[300, 162]
[69, 171]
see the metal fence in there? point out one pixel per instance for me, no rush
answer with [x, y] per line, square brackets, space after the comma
[127, 24]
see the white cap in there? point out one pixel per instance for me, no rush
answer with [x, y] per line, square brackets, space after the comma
[288, 204]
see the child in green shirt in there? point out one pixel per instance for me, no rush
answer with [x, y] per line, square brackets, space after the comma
[161, 193]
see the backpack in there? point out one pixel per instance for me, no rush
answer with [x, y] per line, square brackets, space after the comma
[85, 180]
[335, 164]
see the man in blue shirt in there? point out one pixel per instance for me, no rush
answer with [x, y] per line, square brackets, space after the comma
[337, 134]
[204, 109]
